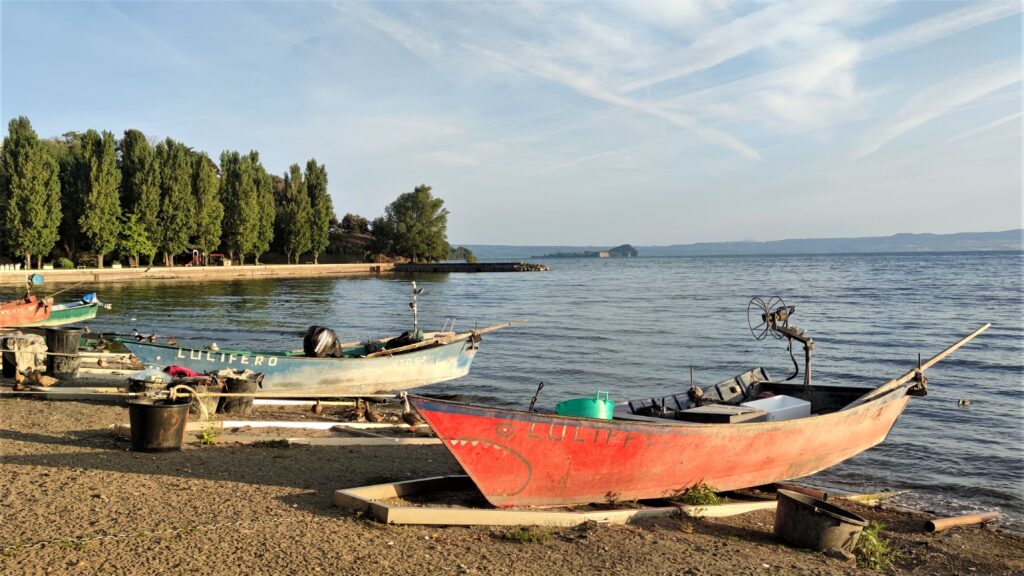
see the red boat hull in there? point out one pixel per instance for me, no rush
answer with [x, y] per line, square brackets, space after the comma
[24, 311]
[519, 458]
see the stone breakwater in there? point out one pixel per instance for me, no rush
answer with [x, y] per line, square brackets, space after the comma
[196, 273]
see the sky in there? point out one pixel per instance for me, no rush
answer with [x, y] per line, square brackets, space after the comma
[577, 123]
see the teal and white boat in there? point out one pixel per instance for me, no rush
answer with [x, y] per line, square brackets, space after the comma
[71, 312]
[358, 368]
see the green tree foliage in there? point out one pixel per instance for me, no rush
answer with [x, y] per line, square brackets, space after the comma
[295, 215]
[463, 253]
[414, 226]
[134, 239]
[140, 183]
[322, 208]
[209, 209]
[245, 187]
[354, 224]
[383, 232]
[74, 185]
[30, 207]
[101, 211]
[266, 210]
[177, 209]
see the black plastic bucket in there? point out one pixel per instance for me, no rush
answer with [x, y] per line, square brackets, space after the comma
[62, 351]
[10, 366]
[158, 425]
[240, 382]
[806, 522]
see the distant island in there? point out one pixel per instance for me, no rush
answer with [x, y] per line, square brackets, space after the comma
[1007, 240]
[622, 251]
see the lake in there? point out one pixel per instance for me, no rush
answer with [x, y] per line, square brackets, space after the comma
[634, 328]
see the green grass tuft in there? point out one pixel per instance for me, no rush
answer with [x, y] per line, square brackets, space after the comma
[699, 495]
[208, 436]
[873, 549]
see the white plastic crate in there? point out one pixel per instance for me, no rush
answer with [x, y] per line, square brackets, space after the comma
[781, 407]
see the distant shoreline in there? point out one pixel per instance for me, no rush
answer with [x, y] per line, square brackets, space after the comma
[1004, 241]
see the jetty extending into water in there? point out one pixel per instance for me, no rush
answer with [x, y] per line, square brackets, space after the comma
[467, 267]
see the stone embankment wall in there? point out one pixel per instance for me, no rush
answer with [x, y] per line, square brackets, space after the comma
[189, 273]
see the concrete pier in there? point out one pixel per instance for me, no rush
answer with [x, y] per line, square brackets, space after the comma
[194, 273]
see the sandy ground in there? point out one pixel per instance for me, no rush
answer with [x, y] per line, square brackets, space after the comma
[76, 500]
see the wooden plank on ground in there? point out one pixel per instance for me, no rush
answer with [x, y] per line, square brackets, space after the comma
[364, 499]
[723, 510]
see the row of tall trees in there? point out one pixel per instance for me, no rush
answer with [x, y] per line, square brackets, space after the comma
[91, 192]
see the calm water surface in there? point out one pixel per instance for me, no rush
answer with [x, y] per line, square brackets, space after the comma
[635, 327]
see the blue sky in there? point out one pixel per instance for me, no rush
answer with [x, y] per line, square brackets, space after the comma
[651, 122]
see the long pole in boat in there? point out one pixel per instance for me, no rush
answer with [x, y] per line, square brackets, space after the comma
[897, 382]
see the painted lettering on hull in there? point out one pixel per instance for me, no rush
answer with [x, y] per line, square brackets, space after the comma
[230, 358]
[549, 432]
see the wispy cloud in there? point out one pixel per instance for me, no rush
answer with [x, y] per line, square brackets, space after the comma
[940, 99]
[416, 40]
[940, 26]
[985, 127]
[575, 161]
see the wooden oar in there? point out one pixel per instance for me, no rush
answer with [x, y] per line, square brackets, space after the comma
[445, 339]
[897, 382]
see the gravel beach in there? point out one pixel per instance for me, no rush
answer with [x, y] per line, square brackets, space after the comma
[76, 500]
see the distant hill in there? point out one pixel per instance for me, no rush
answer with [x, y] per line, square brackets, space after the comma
[622, 251]
[960, 242]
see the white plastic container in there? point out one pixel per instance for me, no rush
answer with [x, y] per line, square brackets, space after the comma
[781, 407]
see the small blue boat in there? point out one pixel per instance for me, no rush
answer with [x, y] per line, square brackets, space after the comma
[438, 357]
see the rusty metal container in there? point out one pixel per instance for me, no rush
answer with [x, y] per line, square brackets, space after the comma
[806, 522]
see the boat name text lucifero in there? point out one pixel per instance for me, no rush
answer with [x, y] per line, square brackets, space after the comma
[227, 357]
[558, 433]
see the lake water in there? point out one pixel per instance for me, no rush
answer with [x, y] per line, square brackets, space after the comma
[634, 328]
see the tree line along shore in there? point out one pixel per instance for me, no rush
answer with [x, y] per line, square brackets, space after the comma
[85, 197]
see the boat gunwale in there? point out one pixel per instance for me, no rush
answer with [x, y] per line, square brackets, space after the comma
[516, 414]
[279, 354]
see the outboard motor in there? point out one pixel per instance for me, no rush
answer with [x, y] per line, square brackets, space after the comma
[321, 342]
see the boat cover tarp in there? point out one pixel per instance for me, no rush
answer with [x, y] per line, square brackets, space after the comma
[27, 351]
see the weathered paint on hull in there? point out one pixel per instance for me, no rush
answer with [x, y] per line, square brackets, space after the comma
[67, 314]
[21, 312]
[519, 458]
[323, 375]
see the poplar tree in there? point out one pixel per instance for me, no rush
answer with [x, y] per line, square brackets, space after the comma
[101, 212]
[296, 215]
[321, 206]
[209, 209]
[176, 208]
[140, 183]
[241, 209]
[74, 186]
[29, 193]
[265, 209]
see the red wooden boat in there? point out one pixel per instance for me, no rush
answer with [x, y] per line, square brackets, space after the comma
[656, 449]
[24, 311]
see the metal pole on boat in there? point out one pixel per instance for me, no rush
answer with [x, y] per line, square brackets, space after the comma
[415, 311]
[897, 382]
